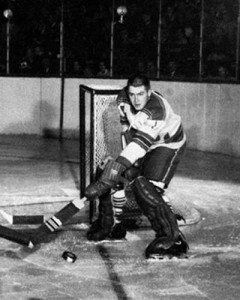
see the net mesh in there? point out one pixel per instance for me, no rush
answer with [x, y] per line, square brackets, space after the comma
[106, 128]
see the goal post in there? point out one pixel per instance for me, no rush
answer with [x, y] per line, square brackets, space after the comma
[99, 129]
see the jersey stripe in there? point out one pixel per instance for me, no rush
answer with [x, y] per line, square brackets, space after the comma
[143, 140]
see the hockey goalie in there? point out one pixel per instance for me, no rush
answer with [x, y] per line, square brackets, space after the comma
[153, 144]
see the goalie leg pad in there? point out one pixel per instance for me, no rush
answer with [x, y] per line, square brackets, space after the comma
[101, 228]
[104, 228]
[150, 200]
[160, 248]
[169, 241]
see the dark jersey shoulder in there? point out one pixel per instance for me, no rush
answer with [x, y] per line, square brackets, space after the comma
[155, 107]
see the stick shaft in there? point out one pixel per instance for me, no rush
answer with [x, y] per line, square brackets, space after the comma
[62, 216]
[24, 219]
[15, 236]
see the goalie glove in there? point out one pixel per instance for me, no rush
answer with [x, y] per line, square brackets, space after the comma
[110, 177]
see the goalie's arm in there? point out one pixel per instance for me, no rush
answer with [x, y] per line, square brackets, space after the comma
[136, 149]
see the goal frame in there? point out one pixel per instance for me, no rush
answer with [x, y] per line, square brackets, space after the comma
[93, 90]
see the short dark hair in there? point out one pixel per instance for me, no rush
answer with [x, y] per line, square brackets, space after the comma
[138, 79]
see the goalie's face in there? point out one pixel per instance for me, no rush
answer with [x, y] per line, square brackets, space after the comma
[139, 96]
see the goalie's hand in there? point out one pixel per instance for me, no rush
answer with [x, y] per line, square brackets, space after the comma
[96, 189]
[110, 177]
[104, 162]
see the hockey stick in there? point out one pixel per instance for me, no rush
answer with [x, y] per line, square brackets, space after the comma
[67, 212]
[61, 217]
[22, 219]
[15, 236]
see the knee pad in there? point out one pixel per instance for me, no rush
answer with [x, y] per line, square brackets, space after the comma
[146, 193]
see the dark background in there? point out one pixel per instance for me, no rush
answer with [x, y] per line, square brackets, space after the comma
[35, 38]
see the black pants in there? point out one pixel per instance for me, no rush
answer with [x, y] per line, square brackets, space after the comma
[158, 165]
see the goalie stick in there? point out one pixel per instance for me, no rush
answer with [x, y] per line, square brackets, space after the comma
[22, 219]
[51, 225]
[62, 216]
[67, 212]
[15, 236]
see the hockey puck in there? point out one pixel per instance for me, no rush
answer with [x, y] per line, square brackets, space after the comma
[69, 256]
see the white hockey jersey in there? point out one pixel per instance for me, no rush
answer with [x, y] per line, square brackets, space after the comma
[156, 125]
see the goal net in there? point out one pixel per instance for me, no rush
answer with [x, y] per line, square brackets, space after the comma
[99, 129]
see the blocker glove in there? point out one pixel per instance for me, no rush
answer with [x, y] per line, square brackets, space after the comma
[110, 177]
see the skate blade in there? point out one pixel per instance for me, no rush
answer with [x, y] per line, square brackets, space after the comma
[108, 241]
[166, 257]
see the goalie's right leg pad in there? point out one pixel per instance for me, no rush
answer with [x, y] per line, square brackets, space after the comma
[101, 228]
[118, 232]
[104, 228]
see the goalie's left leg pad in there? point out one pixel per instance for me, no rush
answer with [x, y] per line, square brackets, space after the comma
[158, 249]
[150, 200]
[168, 241]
